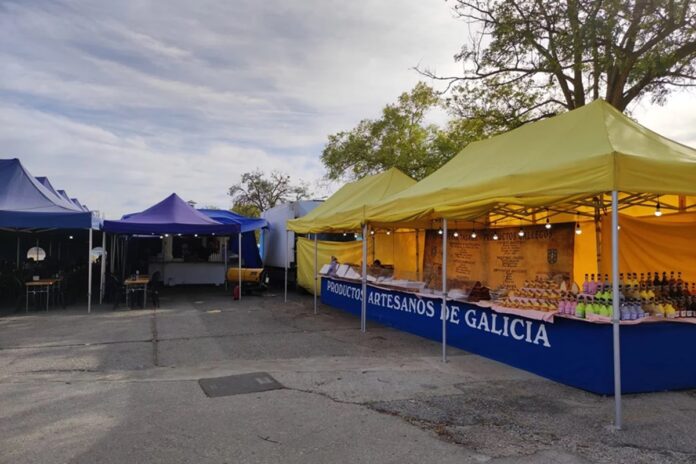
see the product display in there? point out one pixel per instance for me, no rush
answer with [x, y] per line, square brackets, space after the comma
[656, 295]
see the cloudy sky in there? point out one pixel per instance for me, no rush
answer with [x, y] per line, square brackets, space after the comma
[123, 102]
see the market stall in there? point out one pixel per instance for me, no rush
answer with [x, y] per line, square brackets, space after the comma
[508, 222]
[30, 208]
[189, 247]
[313, 253]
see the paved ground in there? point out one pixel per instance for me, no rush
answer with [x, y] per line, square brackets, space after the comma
[115, 387]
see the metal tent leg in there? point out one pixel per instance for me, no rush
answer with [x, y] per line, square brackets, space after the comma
[444, 290]
[89, 274]
[363, 310]
[616, 308]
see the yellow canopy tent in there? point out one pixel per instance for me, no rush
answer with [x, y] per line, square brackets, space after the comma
[563, 160]
[327, 218]
[335, 214]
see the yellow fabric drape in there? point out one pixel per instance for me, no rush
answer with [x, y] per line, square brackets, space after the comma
[653, 244]
[397, 249]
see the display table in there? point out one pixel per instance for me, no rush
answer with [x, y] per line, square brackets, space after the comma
[654, 357]
[183, 273]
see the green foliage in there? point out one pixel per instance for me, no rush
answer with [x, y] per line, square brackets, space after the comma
[398, 138]
[256, 192]
[533, 58]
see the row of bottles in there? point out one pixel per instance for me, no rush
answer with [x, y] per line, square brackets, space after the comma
[631, 308]
[633, 286]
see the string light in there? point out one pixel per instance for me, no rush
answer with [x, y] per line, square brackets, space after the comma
[455, 234]
[345, 234]
[521, 232]
[473, 233]
[578, 230]
[439, 231]
[658, 211]
[195, 235]
[495, 236]
[372, 232]
[389, 232]
[71, 237]
[167, 235]
[548, 222]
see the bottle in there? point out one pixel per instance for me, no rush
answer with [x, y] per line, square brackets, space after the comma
[672, 280]
[642, 282]
[679, 278]
[606, 286]
[621, 279]
[664, 281]
[592, 286]
[586, 285]
[656, 281]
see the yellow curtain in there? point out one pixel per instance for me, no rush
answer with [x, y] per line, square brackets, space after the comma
[397, 249]
[652, 244]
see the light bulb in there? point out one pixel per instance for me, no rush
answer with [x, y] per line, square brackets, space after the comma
[495, 236]
[548, 225]
[455, 234]
[167, 235]
[521, 232]
[344, 234]
[578, 230]
[178, 235]
[71, 237]
[372, 232]
[355, 235]
[195, 235]
[473, 234]
[389, 232]
[439, 231]
[658, 211]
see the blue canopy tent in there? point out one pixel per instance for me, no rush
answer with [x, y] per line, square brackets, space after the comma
[171, 216]
[26, 203]
[250, 250]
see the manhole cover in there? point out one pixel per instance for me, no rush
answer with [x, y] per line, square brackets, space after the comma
[239, 384]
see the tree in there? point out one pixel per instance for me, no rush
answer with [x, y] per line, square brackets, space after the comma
[257, 193]
[398, 138]
[530, 59]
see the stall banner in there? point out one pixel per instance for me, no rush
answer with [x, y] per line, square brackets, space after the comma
[655, 356]
[507, 261]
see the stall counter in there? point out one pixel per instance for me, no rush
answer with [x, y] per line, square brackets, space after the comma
[654, 357]
[185, 273]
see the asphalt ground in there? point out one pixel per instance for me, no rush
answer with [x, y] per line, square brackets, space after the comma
[123, 386]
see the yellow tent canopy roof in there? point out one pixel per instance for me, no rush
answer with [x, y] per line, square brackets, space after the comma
[344, 209]
[572, 156]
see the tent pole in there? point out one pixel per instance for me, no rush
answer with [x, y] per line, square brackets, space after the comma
[287, 262]
[89, 273]
[616, 309]
[18, 248]
[102, 280]
[444, 290]
[225, 259]
[239, 263]
[315, 272]
[417, 257]
[363, 311]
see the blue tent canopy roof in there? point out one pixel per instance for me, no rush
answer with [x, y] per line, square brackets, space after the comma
[247, 224]
[172, 215]
[25, 202]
